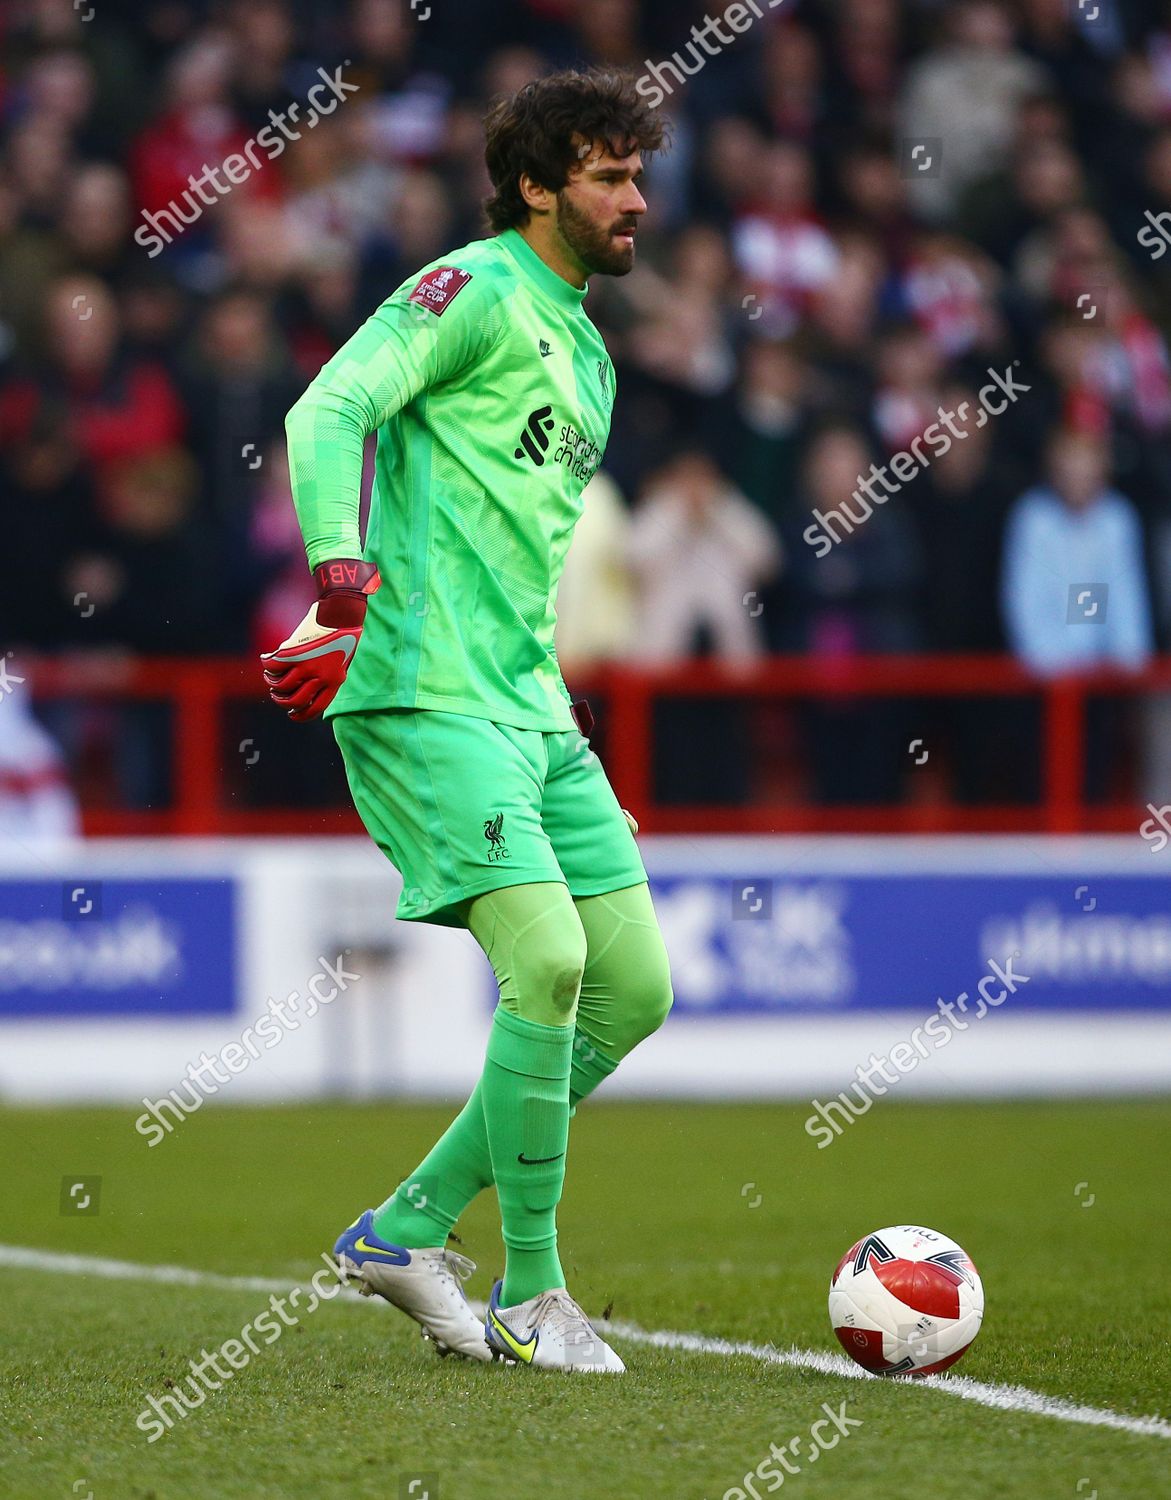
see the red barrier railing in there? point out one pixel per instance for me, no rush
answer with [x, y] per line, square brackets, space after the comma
[199, 693]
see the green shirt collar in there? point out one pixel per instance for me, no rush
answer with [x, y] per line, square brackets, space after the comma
[545, 276]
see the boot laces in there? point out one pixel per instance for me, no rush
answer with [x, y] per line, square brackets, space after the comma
[564, 1317]
[455, 1266]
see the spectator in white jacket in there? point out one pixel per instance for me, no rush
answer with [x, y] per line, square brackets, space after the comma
[701, 552]
[595, 603]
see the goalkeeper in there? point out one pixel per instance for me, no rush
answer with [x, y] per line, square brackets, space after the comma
[431, 649]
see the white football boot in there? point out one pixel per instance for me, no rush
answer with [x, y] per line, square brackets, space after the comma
[425, 1284]
[548, 1332]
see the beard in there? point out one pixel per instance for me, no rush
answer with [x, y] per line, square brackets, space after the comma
[593, 244]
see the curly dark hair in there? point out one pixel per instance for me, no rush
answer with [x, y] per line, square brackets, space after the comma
[538, 131]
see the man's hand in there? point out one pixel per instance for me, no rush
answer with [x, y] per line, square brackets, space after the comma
[304, 673]
[630, 821]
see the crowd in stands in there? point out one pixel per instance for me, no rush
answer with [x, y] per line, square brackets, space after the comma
[871, 209]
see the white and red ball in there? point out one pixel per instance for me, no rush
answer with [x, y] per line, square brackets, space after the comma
[906, 1301]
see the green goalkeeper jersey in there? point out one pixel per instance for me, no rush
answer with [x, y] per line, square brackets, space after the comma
[491, 393]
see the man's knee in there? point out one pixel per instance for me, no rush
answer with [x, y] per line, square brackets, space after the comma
[549, 977]
[657, 996]
[647, 997]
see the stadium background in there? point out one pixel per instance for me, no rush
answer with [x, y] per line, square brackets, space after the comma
[861, 774]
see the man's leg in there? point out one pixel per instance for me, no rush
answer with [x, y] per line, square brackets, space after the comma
[626, 988]
[534, 940]
[422, 1210]
[625, 996]
[511, 1131]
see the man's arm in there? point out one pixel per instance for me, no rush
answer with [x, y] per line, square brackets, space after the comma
[399, 352]
[415, 340]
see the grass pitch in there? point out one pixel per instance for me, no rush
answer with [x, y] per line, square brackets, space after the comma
[724, 1221]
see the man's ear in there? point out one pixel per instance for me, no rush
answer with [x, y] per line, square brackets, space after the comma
[539, 199]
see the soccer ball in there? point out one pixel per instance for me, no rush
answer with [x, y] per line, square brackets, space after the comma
[906, 1301]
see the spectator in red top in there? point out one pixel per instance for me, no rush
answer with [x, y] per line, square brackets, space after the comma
[111, 406]
[199, 128]
[780, 246]
[118, 408]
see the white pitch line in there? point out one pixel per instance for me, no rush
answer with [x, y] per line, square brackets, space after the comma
[999, 1397]
[1002, 1397]
[22, 1258]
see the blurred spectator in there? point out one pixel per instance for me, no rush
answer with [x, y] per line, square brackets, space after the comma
[50, 515]
[111, 404]
[1074, 589]
[959, 505]
[199, 125]
[859, 598]
[963, 95]
[950, 290]
[700, 552]
[909, 370]
[841, 326]
[95, 223]
[756, 432]
[865, 62]
[152, 575]
[784, 253]
[856, 600]
[874, 199]
[595, 599]
[238, 386]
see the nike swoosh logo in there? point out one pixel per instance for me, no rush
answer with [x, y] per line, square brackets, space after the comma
[523, 1351]
[536, 1161]
[391, 1255]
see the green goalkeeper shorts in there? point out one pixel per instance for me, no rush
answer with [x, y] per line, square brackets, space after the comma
[461, 806]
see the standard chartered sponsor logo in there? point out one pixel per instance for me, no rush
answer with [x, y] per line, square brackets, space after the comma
[580, 454]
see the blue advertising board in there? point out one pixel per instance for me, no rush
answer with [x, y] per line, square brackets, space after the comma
[118, 948]
[847, 943]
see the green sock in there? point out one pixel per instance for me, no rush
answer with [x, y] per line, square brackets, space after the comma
[525, 1090]
[421, 1212]
[591, 1067]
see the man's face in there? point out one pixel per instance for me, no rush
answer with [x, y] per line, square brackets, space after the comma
[1079, 470]
[598, 211]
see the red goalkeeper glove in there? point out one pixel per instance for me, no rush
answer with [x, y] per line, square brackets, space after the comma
[304, 673]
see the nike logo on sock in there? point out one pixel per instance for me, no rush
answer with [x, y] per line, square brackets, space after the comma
[536, 1161]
